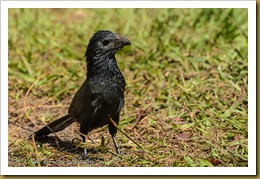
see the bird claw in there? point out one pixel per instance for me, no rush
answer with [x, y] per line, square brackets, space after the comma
[86, 158]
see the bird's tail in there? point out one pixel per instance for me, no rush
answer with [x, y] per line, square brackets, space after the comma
[56, 125]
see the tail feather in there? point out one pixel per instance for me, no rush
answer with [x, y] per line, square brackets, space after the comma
[56, 125]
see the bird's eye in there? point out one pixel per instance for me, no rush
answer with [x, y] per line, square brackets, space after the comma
[105, 42]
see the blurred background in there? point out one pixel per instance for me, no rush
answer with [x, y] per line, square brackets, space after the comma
[186, 70]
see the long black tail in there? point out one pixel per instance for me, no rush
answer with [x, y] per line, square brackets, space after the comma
[56, 125]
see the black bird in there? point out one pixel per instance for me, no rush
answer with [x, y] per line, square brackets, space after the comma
[101, 96]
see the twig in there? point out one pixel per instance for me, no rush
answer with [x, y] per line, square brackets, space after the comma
[139, 116]
[113, 122]
[26, 95]
[36, 152]
[33, 109]
[78, 132]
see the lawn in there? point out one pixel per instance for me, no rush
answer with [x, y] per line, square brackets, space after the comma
[186, 100]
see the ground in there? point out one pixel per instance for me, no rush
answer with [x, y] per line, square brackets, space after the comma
[186, 101]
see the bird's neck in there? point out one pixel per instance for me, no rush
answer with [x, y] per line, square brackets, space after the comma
[102, 66]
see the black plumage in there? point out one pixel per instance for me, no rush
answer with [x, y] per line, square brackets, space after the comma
[102, 94]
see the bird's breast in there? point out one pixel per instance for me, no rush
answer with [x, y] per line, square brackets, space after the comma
[109, 87]
[109, 92]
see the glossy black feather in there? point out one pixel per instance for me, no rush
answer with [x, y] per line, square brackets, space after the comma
[102, 94]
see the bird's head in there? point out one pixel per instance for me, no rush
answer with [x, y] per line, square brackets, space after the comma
[105, 43]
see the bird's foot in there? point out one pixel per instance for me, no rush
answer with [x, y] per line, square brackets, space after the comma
[118, 151]
[86, 158]
[116, 146]
[85, 154]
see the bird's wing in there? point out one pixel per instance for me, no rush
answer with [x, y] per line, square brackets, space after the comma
[84, 106]
[81, 100]
[120, 105]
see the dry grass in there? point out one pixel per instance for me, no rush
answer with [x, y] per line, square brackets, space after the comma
[186, 100]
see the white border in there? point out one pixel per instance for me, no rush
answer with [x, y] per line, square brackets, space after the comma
[250, 170]
[127, 4]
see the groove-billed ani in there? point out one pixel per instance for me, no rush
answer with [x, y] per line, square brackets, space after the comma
[102, 94]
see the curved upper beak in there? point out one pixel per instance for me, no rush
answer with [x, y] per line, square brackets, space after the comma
[121, 41]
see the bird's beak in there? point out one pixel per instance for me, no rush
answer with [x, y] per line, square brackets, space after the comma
[121, 41]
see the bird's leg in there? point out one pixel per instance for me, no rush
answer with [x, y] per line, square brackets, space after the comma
[116, 145]
[85, 154]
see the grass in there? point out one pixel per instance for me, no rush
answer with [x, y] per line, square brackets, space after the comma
[186, 101]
